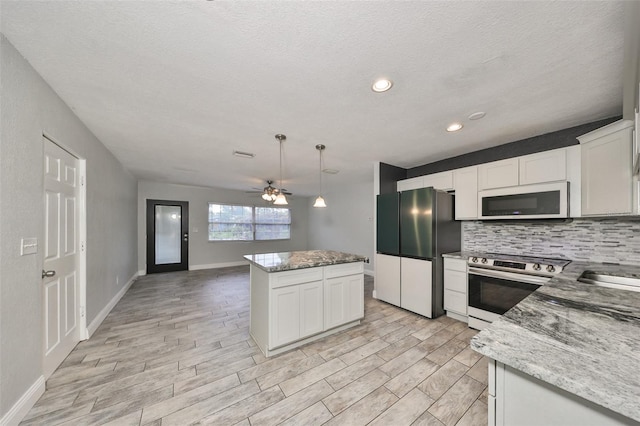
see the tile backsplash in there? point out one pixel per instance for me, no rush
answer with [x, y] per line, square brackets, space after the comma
[600, 240]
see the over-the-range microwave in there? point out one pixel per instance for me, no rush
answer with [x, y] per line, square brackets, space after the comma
[540, 201]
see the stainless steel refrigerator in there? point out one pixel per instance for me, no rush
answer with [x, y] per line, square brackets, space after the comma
[413, 226]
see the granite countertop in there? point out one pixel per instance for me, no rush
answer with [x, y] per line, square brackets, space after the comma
[579, 337]
[286, 261]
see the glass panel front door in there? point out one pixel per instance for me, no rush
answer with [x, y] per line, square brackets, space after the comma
[168, 234]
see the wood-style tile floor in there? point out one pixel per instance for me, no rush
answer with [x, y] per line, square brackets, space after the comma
[176, 350]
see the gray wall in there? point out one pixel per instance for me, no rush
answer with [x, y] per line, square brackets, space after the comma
[201, 251]
[29, 108]
[347, 222]
[598, 240]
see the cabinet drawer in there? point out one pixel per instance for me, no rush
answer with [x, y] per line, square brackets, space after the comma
[455, 302]
[297, 276]
[455, 280]
[455, 264]
[343, 269]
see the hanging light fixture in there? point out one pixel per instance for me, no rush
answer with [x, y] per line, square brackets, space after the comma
[280, 200]
[320, 201]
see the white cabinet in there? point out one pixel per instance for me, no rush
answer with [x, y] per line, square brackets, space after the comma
[416, 286]
[407, 184]
[547, 166]
[344, 300]
[498, 174]
[466, 186]
[607, 170]
[290, 308]
[442, 181]
[387, 282]
[515, 398]
[455, 288]
[296, 312]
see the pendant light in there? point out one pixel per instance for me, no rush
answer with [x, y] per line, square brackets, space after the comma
[280, 200]
[320, 201]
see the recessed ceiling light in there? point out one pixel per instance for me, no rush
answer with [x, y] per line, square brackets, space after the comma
[243, 154]
[454, 127]
[477, 115]
[381, 85]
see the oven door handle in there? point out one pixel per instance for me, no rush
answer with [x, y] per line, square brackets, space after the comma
[529, 279]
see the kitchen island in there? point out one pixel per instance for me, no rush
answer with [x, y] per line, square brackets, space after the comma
[301, 296]
[567, 354]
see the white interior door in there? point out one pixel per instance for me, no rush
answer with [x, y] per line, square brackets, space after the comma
[61, 258]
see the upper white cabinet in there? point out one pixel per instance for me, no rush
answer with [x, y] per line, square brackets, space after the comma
[607, 170]
[548, 166]
[442, 181]
[407, 184]
[498, 174]
[466, 187]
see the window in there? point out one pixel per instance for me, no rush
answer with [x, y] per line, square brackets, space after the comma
[247, 223]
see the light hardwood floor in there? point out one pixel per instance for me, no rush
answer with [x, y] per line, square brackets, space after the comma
[176, 350]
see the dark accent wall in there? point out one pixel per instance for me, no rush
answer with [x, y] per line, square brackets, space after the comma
[554, 140]
[389, 175]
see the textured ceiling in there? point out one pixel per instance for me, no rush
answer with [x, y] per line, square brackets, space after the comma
[172, 88]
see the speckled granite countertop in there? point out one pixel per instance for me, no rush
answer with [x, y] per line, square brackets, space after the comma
[579, 337]
[286, 261]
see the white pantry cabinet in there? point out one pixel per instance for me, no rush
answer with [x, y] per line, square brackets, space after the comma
[498, 174]
[607, 170]
[466, 186]
[455, 288]
[516, 398]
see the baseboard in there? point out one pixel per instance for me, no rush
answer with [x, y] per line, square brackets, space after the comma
[142, 273]
[370, 272]
[105, 311]
[217, 265]
[20, 409]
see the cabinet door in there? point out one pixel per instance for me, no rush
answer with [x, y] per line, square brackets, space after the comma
[442, 181]
[607, 181]
[407, 184]
[387, 281]
[311, 308]
[416, 286]
[466, 186]
[355, 297]
[548, 166]
[498, 174]
[285, 316]
[335, 302]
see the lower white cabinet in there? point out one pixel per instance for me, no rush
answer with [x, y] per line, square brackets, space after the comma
[292, 307]
[415, 286]
[516, 398]
[344, 300]
[455, 288]
[297, 312]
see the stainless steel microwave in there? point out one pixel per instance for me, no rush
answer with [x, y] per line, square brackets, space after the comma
[540, 201]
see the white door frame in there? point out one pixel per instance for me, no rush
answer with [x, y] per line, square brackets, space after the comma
[82, 236]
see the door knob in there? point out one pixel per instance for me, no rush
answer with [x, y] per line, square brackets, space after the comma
[48, 274]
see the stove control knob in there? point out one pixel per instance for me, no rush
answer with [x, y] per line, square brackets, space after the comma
[484, 260]
[536, 266]
[550, 268]
[474, 259]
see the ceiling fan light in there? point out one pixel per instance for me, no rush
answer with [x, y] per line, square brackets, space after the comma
[320, 202]
[281, 200]
[266, 197]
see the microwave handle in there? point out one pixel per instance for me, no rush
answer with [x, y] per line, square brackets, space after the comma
[529, 279]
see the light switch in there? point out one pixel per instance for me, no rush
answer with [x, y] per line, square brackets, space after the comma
[29, 246]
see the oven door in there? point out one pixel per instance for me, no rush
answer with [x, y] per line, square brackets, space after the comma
[492, 293]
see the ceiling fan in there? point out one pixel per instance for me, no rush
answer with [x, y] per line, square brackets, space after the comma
[269, 192]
